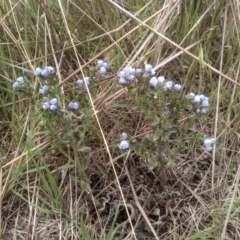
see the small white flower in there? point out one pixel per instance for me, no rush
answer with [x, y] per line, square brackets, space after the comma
[168, 85]
[43, 89]
[50, 69]
[105, 65]
[100, 63]
[199, 98]
[44, 73]
[148, 68]
[129, 70]
[202, 110]
[20, 80]
[73, 105]
[38, 71]
[122, 80]
[154, 82]
[124, 145]
[102, 70]
[138, 70]
[130, 77]
[16, 85]
[152, 72]
[177, 87]
[121, 74]
[53, 107]
[124, 135]
[54, 101]
[208, 142]
[45, 106]
[205, 103]
[161, 79]
[80, 83]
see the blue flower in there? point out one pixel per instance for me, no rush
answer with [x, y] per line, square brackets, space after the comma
[154, 82]
[205, 103]
[121, 74]
[161, 80]
[199, 98]
[201, 110]
[124, 145]
[16, 85]
[54, 101]
[38, 71]
[201, 101]
[168, 85]
[138, 71]
[73, 105]
[43, 89]
[52, 104]
[148, 68]
[129, 70]
[50, 69]
[122, 80]
[81, 82]
[208, 142]
[102, 70]
[44, 73]
[153, 72]
[20, 80]
[130, 77]
[124, 135]
[45, 106]
[177, 87]
[53, 107]
[101, 63]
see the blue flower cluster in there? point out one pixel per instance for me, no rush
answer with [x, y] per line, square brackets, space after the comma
[128, 74]
[81, 83]
[73, 105]
[51, 105]
[44, 73]
[149, 69]
[201, 102]
[167, 85]
[44, 89]
[18, 83]
[102, 66]
[208, 142]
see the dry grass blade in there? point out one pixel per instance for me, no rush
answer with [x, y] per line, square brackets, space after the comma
[139, 205]
[173, 43]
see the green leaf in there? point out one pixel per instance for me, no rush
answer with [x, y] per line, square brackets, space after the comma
[202, 234]
[84, 149]
[83, 230]
[201, 61]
